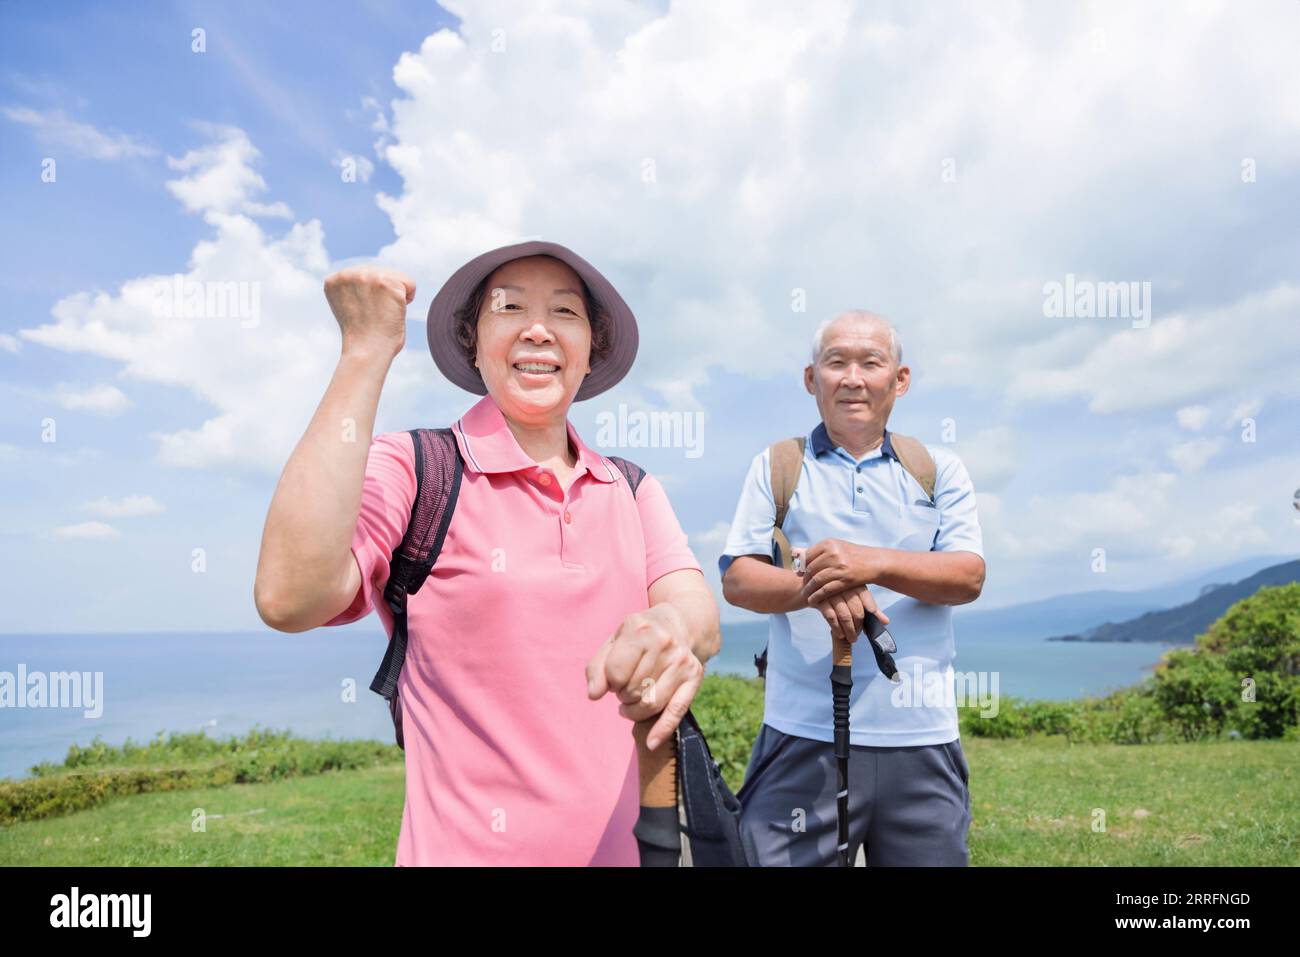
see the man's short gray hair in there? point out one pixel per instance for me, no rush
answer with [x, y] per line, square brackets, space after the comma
[895, 346]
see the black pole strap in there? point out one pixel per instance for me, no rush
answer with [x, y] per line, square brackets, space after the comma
[882, 643]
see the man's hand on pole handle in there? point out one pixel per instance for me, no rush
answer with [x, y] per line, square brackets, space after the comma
[369, 304]
[847, 615]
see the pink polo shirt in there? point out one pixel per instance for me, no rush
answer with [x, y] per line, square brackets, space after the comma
[507, 760]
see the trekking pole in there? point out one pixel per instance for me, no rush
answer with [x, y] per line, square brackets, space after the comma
[841, 688]
[658, 837]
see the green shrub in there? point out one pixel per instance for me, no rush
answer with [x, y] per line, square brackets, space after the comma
[1196, 694]
[97, 772]
[1253, 651]
[730, 711]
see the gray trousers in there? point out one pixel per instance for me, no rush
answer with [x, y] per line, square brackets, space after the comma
[908, 806]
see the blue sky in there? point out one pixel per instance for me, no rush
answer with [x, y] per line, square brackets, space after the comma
[935, 164]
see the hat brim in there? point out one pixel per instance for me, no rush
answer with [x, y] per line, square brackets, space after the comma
[450, 357]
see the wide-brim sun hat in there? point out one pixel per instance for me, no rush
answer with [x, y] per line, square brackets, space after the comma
[449, 354]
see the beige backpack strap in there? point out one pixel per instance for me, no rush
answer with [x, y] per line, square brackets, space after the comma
[787, 463]
[917, 459]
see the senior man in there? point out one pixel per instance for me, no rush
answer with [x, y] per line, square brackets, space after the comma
[874, 541]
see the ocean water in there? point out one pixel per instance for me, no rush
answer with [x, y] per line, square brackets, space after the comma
[1026, 667]
[317, 684]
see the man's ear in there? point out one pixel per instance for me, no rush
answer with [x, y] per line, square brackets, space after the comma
[904, 380]
[808, 379]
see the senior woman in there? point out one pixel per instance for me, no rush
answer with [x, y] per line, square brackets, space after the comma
[561, 608]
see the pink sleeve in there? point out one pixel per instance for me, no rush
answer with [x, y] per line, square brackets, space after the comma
[386, 498]
[666, 548]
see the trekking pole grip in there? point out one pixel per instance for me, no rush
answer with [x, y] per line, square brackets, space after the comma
[841, 652]
[658, 836]
[658, 768]
[841, 688]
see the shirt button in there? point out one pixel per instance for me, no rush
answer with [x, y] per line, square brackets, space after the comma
[859, 488]
[544, 478]
[568, 519]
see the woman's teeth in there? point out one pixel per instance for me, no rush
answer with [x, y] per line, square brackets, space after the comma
[536, 367]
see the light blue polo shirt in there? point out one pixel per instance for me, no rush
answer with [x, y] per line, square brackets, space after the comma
[871, 501]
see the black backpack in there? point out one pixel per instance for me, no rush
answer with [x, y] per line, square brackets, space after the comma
[709, 812]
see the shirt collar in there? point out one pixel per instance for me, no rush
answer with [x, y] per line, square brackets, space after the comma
[487, 444]
[820, 441]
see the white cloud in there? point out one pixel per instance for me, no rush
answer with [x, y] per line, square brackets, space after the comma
[221, 177]
[1239, 509]
[379, 122]
[1193, 417]
[990, 456]
[1179, 547]
[87, 531]
[726, 159]
[56, 130]
[9, 343]
[711, 162]
[771, 172]
[1246, 410]
[1192, 456]
[130, 506]
[101, 400]
[713, 539]
[1234, 528]
[263, 379]
[1185, 356]
[707, 546]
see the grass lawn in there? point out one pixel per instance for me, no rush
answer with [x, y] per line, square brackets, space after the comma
[1033, 801]
[1230, 803]
[339, 817]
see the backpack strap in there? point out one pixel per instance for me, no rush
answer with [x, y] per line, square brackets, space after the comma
[916, 459]
[631, 471]
[786, 466]
[438, 471]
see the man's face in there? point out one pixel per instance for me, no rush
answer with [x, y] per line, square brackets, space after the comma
[855, 380]
[533, 313]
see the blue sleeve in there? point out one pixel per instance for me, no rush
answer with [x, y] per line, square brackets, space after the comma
[954, 494]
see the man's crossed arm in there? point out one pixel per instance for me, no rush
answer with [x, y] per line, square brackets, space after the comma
[835, 577]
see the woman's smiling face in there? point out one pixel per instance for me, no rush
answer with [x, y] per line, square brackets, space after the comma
[534, 338]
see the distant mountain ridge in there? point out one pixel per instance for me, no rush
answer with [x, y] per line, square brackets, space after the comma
[1181, 624]
[1075, 613]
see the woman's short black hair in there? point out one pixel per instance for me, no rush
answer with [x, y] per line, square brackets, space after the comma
[466, 323]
